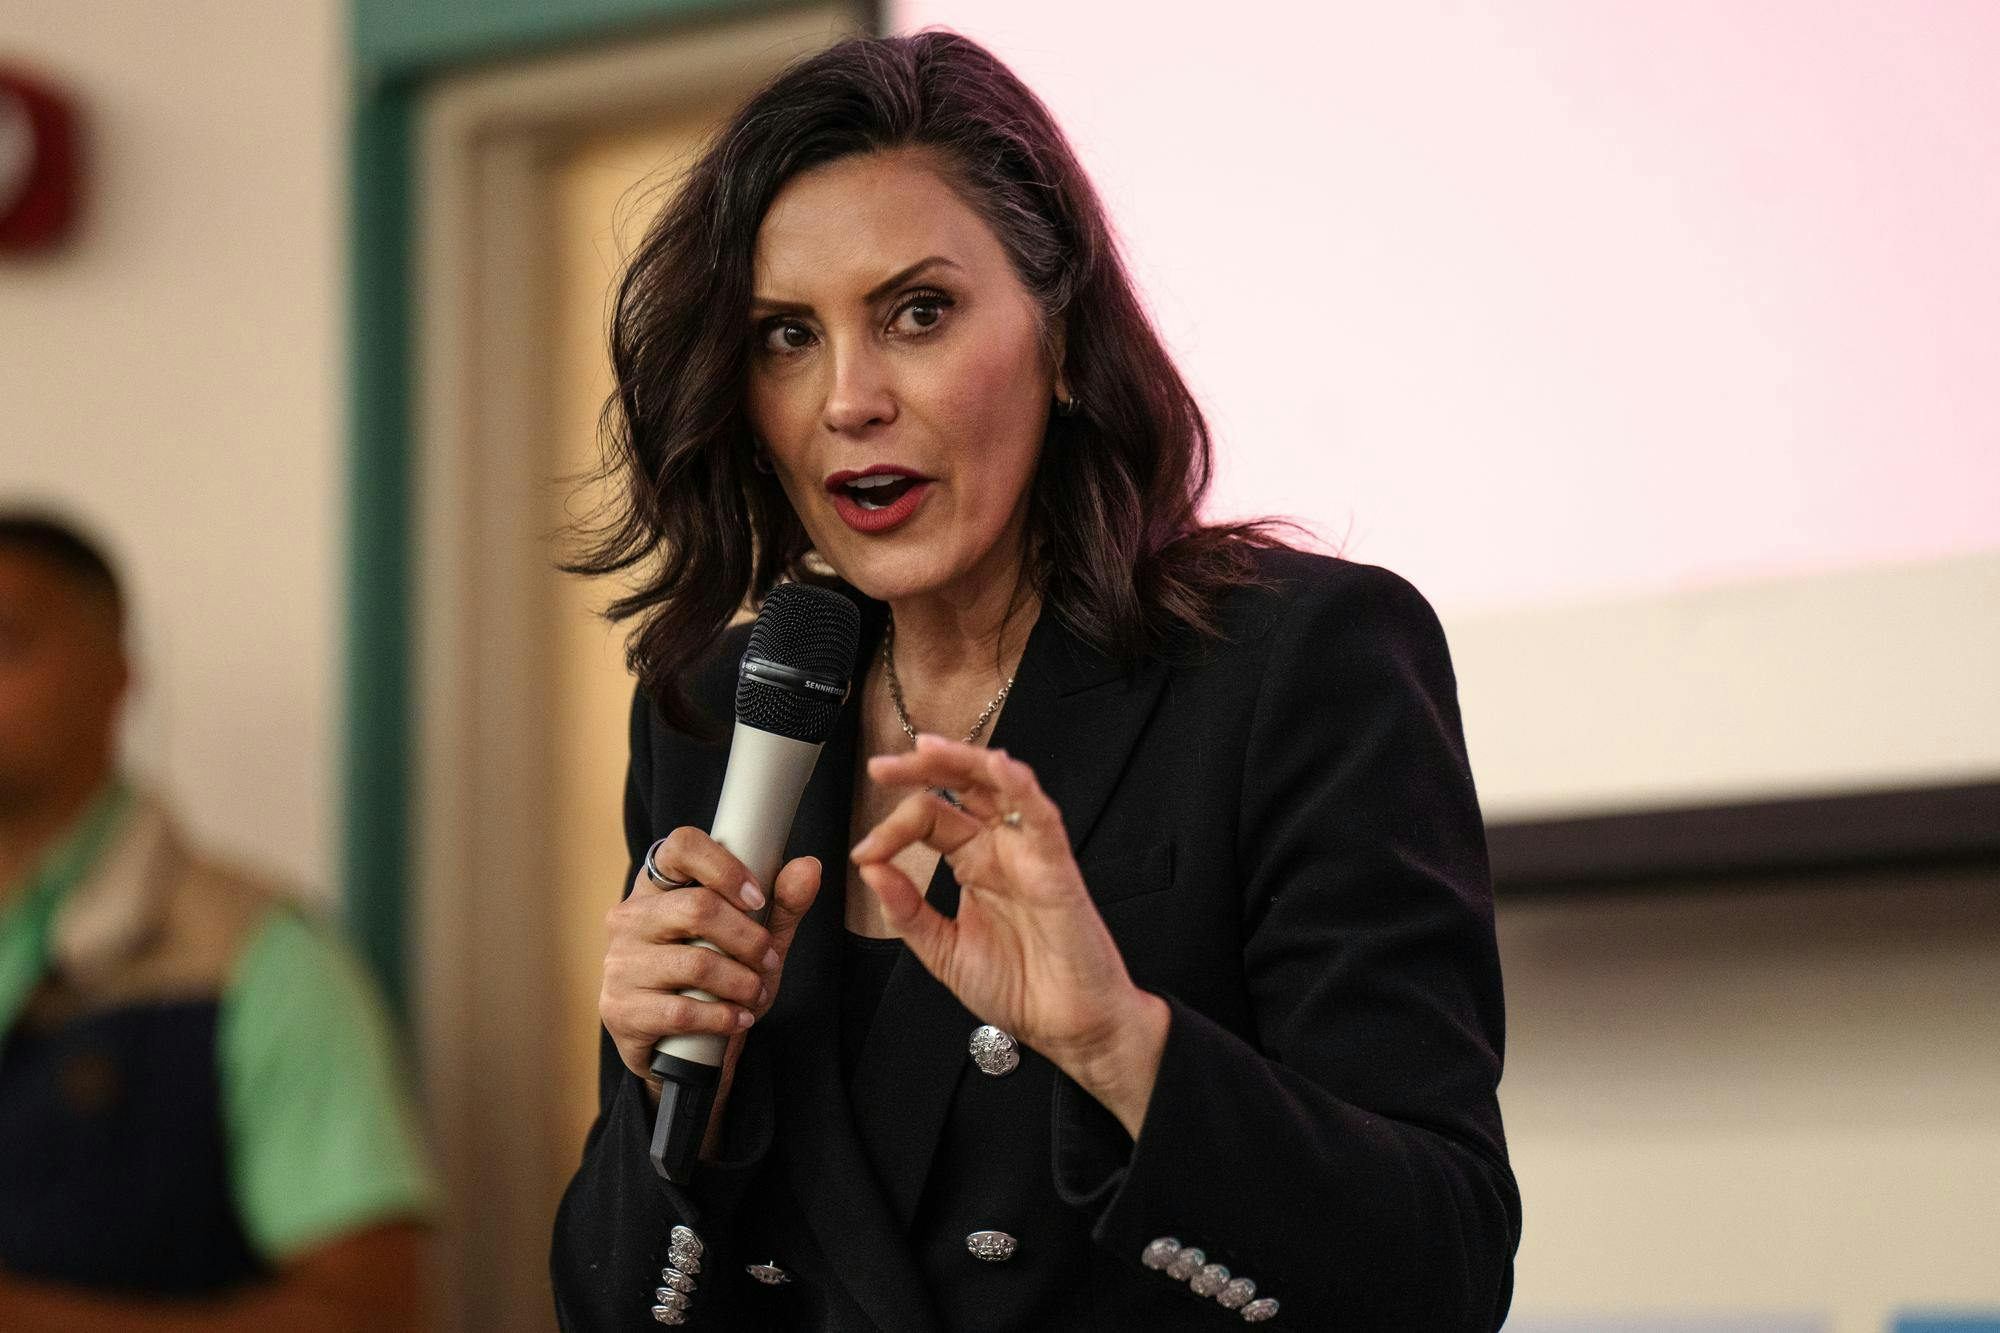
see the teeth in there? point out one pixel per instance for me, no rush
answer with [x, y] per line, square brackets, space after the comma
[860, 489]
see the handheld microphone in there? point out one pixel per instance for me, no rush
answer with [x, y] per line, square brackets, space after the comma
[790, 685]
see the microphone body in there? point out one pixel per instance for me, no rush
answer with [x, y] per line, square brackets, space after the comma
[790, 686]
[767, 775]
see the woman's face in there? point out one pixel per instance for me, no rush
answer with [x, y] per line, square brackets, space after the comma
[890, 335]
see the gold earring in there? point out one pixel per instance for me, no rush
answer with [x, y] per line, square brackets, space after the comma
[1067, 406]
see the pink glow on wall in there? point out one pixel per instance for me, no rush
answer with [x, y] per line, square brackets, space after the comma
[1541, 301]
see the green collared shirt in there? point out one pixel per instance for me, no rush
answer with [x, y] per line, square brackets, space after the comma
[323, 1137]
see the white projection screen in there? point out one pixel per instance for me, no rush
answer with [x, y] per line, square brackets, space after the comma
[1656, 344]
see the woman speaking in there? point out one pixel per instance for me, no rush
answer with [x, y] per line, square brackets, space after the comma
[1132, 966]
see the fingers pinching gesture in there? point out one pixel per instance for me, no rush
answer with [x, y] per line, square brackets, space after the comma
[1027, 951]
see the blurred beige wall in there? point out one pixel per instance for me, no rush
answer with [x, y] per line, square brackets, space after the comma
[1749, 1096]
[173, 377]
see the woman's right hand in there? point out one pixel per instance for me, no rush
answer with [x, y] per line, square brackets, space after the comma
[651, 956]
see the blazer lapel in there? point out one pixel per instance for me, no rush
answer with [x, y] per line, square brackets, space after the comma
[1073, 717]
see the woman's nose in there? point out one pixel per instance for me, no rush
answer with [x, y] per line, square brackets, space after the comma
[861, 392]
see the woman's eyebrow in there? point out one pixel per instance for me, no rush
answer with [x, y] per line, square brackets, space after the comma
[871, 296]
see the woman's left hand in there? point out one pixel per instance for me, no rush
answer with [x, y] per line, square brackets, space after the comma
[1027, 951]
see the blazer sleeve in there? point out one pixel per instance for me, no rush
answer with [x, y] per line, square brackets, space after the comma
[1347, 1157]
[617, 1217]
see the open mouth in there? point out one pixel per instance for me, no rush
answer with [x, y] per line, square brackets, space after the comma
[880, 492]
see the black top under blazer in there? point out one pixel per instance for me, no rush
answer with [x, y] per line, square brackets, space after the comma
[1285, 842]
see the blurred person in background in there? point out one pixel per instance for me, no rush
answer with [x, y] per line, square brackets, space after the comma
[203, 1121]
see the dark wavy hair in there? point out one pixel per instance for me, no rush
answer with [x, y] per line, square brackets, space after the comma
[1116, 547]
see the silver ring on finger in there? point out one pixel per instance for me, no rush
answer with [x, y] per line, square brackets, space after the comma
[653, 871]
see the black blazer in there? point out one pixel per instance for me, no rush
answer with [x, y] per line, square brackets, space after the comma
[1285, 841]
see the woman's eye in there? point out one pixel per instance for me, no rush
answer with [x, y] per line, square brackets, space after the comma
[925, 312]
[778, 337]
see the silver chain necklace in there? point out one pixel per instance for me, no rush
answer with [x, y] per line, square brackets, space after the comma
[902, 716]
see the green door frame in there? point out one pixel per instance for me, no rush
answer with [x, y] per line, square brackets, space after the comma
[397, 48]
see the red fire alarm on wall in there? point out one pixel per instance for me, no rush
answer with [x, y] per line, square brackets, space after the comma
[38, 164]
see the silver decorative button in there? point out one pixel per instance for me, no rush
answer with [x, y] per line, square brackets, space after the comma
[667, 1314]
[683, 1238]
[1236, 1293]
[1186, 1264]
[767, 1273]
[994, 1051]
[1211, 1279]
[1161, 1252]
[991, 1245]
[675, 1280]
[1257, 1311]
[671, 1299]
[685, 1260]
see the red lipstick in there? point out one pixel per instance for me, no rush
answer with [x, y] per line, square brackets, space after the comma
[877, 507]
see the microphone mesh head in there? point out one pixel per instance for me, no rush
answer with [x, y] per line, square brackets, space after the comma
[809, 629]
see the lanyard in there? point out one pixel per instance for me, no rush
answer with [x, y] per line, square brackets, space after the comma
[28, 923]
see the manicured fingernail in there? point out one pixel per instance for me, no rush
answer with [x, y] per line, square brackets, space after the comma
[763, 996]
[770, 959]
[752, 895]
[744, 1019]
